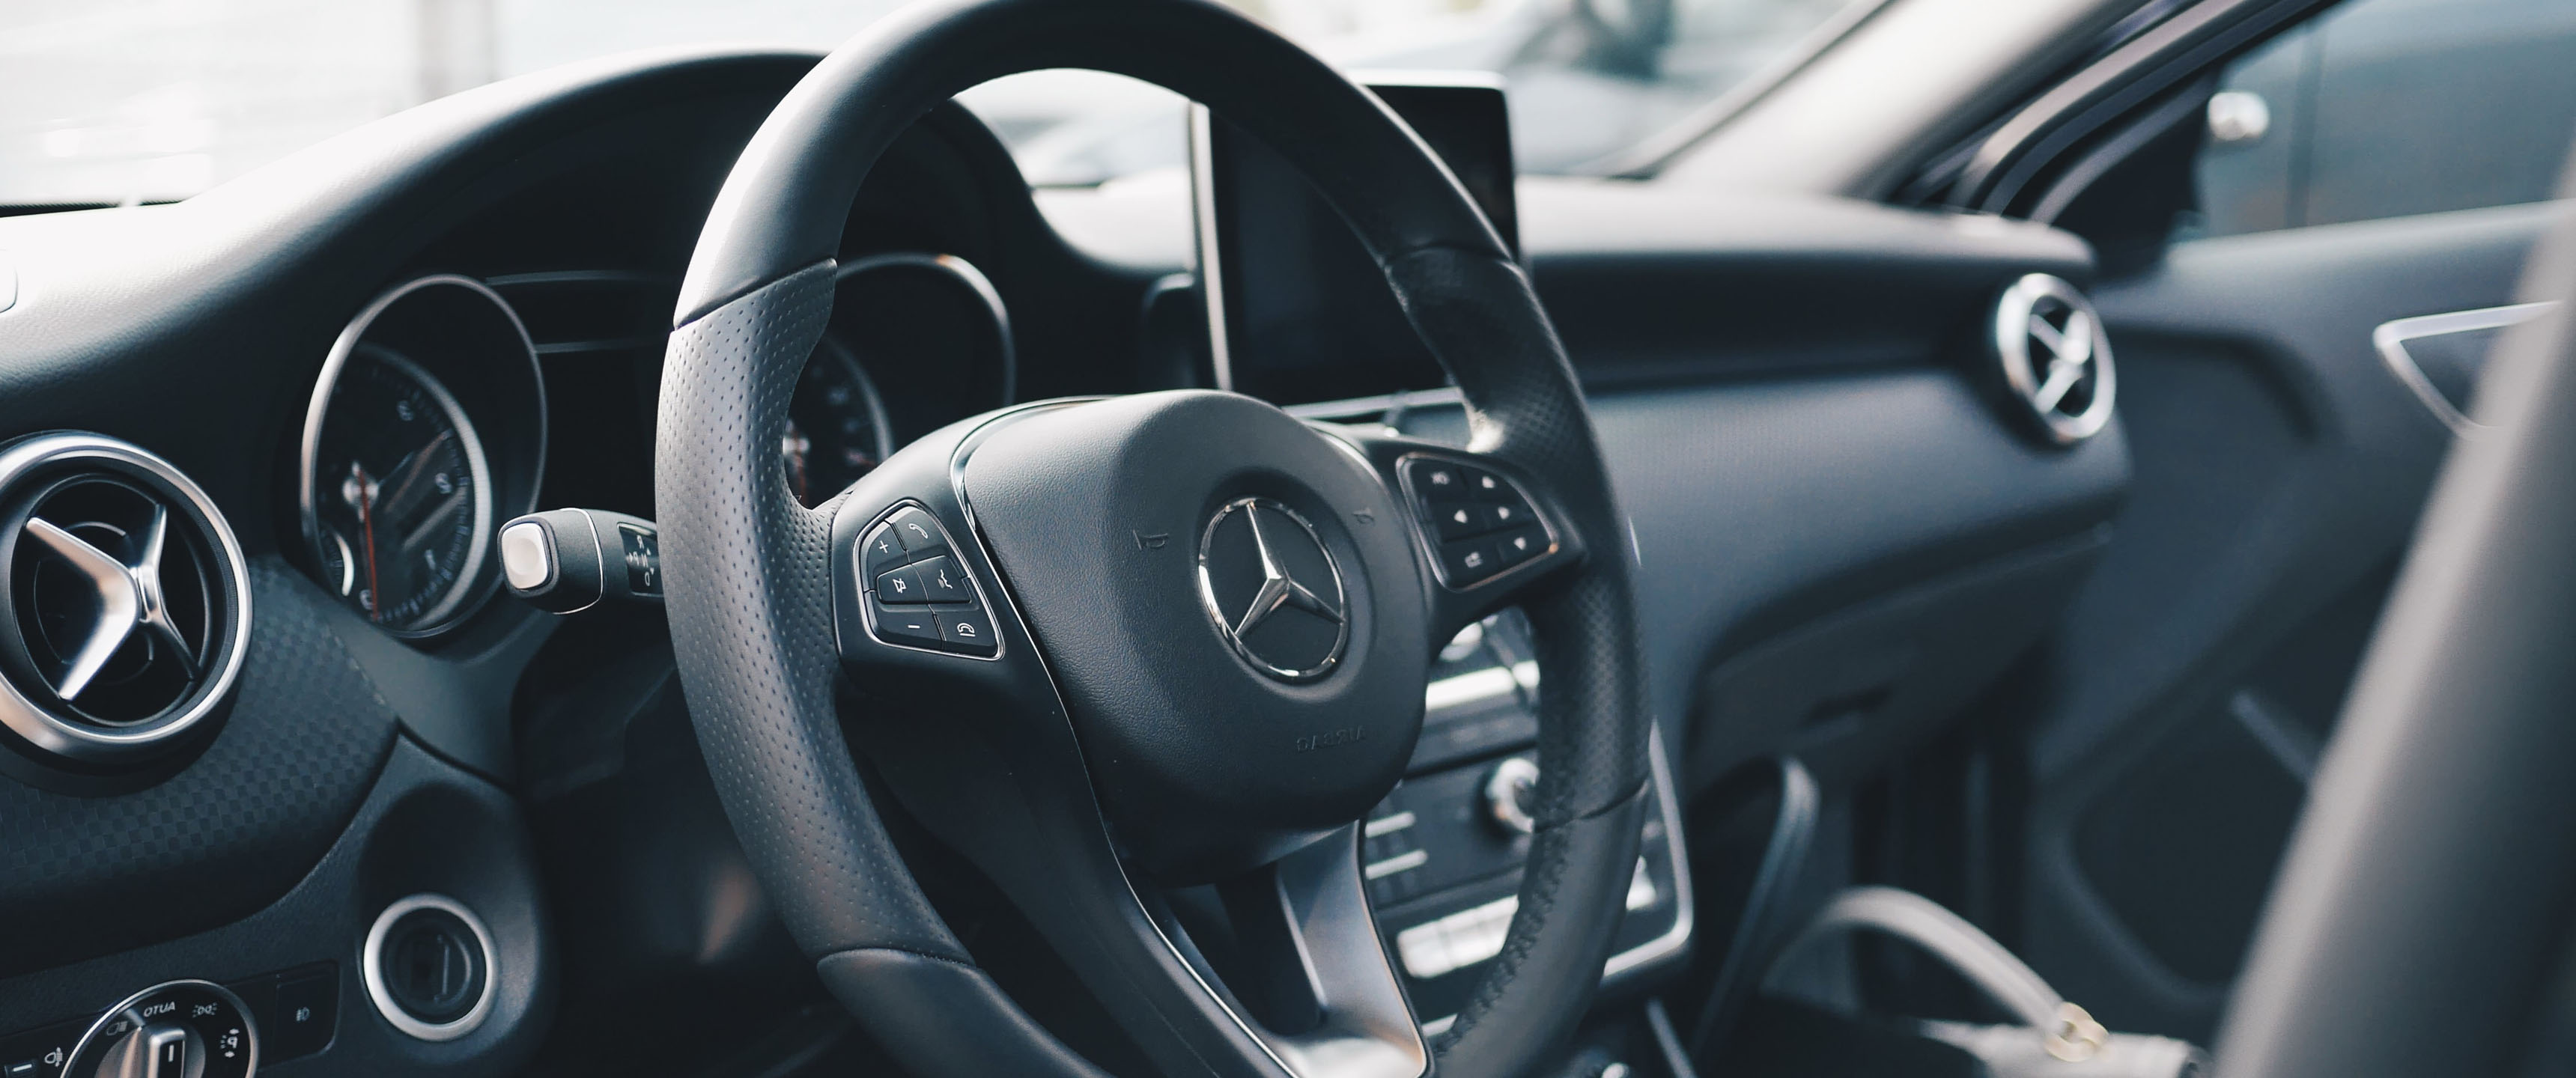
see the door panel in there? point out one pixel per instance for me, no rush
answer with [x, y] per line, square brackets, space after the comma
[2279, 467]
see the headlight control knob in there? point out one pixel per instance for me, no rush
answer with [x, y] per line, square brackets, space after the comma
[1507, 794]
[183, 1029]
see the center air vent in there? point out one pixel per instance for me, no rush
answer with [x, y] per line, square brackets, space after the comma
[124, 606]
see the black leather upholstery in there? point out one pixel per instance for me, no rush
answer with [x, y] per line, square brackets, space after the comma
[746, 573]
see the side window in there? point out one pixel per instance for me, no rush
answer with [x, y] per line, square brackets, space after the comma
[2384, 108]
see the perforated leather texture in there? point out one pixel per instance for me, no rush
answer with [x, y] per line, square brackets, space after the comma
[234, 830]
[747, 579]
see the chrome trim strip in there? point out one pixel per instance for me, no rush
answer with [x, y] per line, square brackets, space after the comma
[1678, 937]
[2389, 339]
[1387, 825]
[1203, 223]
[1478, 686]
[1357, 408]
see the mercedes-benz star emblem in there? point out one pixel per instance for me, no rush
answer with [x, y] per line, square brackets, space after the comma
[2055, 356]
[1273, 589]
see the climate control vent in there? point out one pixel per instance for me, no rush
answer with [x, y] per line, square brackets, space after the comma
[2054, 358]
[124, 603]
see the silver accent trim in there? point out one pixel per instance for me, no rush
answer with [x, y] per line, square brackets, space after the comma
[1388, 406]
[1402, 862]
[1675, 938]
[2389, 339]
[372, 974]
[965, 273]
[1387, 825]
[1278, 590]
[250, 1022]
[85, 741]
[120, 596]
[2080, 347]
[1203, 225]
[1503, 789]
[467, 597]
[1478, 686]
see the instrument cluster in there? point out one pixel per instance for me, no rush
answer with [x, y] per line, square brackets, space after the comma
[430, 422]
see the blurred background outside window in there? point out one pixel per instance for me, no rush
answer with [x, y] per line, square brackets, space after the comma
[118, 101]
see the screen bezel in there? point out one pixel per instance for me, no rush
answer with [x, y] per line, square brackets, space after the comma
[1453, 112]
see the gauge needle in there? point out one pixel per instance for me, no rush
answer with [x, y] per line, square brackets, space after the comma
[406, 474]
[367, 526]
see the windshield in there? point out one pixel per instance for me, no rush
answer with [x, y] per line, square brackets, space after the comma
[121, 101]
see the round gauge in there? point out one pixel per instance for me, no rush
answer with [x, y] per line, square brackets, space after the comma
[836, 425]
[426, 429]
[402, 494]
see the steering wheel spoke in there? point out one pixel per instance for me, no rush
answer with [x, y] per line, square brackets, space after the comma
[975, 738]
[1298, 950]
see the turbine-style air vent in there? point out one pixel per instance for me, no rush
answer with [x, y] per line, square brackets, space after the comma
[2054, 357]
[124, 606]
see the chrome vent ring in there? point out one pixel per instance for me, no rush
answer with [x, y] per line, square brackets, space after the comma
[2055, 357]
[124, 599]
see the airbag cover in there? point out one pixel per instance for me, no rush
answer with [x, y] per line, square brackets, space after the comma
[1205, 762]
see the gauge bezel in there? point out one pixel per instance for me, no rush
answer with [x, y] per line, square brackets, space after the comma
[964, 274]
[833, 350]
[477, 580]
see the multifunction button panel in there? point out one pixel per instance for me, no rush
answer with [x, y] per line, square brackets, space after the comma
[917, 591]
[1480, 525]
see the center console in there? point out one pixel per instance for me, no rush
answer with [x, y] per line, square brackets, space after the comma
[1444, 852]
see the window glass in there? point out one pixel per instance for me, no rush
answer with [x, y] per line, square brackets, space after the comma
[2385, 108]
[105, 101]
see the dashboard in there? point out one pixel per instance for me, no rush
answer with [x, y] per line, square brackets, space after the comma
[364, 361]
[411, 826]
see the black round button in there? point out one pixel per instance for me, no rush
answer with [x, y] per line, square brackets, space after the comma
[433, 965]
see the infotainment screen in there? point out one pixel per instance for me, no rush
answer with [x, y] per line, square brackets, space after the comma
[1297, 311]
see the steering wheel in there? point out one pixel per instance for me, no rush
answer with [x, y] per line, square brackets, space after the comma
[1145, 661]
